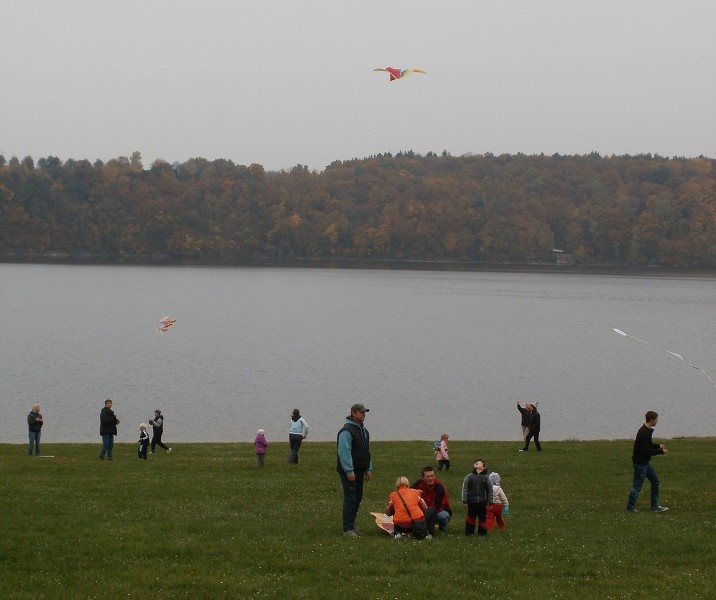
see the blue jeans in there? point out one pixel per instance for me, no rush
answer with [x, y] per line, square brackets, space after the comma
[433, 517]
[107, 445]
[295, 440]
[642, 472]
[352, 496]
[442, 519]
[34, 439]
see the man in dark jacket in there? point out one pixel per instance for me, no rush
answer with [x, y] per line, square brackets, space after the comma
[436, 498]
[34, 427]
[157, 424]
[108, 422]
[532, 428]
[354, 465]
[643, 450]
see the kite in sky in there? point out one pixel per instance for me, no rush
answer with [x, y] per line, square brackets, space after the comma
[398, 74]
[164, 325]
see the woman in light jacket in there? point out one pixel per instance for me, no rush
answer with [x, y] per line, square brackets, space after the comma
[298, 430]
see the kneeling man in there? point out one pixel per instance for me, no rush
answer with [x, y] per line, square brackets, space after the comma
[436, 497]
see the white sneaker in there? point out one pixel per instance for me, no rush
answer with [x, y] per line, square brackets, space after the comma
[397, 535]
[350, 533]
[660, 509]
[428, 537]
[169, 450]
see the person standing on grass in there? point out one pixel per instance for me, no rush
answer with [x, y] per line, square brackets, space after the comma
[525, 422]
[499, 503]
[297, 432]
[532, 429]
[643, 450]
[260, 446]
[442, 455]
[353, 464]
[157, 424]
[476, 495]
[143, 442]
[34, 426]
[108, 422]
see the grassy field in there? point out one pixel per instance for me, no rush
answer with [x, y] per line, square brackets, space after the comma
[203, 522]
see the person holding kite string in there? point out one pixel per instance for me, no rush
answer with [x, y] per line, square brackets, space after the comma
[34, 427]
[644, 449]
[532, 429]
[525, 422]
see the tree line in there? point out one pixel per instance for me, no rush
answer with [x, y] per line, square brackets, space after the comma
[617, 210]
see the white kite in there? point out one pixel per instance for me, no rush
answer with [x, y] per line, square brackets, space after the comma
[676, 354]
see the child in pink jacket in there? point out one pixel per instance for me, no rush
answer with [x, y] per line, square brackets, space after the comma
[442, 453]
[260, 445]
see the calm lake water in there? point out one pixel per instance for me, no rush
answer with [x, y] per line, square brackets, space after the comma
[427, 352]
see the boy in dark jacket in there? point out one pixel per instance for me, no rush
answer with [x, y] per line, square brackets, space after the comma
[476, 495]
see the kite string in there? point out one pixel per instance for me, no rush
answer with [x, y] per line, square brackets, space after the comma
[679, 356]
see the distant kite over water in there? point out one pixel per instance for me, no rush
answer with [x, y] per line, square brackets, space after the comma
[164, 325]
[398, 74]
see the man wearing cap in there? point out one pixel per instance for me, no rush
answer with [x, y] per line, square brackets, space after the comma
[353, 465]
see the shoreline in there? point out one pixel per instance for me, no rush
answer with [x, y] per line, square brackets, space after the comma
[376, 264]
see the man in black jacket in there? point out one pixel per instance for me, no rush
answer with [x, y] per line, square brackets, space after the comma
[533, 428]
[108, 422]
[157, 424]
[644, 449]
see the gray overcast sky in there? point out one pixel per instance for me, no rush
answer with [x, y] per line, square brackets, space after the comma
[286, 82]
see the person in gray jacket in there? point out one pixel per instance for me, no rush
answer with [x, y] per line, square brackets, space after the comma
[476, 495]
[298, 430]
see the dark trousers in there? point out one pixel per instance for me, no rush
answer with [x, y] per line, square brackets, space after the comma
[352, 496]
[157, 441]
[476, 512]
[142, 451]
[295, 440]
[530, 435]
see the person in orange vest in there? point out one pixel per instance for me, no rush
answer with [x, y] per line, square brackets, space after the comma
[408, 509]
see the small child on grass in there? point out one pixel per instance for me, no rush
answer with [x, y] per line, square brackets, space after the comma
[260, 445]
[499, 506]
[143, 442]
[441, 454]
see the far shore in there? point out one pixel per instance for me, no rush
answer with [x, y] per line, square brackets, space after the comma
[59, 258]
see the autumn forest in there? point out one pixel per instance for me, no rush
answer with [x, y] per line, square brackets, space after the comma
[640, 210]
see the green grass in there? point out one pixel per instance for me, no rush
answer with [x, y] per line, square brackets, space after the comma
[203, 522]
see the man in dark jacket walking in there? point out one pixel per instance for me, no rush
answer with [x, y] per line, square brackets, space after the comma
[108, 422]
[157, 424]
[353, 464]
[643, 450]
